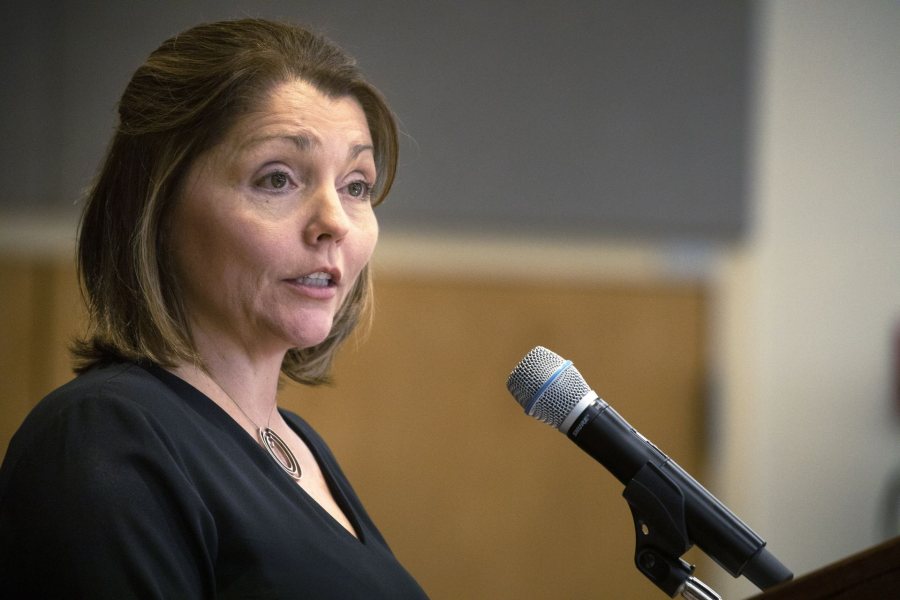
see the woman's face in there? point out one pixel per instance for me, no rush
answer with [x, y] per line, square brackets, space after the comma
[275, 223]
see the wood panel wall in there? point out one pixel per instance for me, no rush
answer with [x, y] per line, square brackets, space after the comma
[477, 499]
[40, 309]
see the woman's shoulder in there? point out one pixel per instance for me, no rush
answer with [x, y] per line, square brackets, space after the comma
[99, 405]
[108, 380]
[94, 467]
[125, 385]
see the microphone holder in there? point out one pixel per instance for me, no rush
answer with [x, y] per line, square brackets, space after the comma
[657, 507]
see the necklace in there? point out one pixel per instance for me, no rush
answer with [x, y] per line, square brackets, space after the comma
[271, 442]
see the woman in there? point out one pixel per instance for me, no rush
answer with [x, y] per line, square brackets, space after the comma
[225, 242]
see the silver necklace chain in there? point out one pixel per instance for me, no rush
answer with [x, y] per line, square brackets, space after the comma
[271, 441]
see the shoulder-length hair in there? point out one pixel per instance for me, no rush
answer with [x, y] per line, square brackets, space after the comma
[178, 104]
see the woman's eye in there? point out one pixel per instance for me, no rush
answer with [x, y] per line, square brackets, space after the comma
[358, 189]
[277, 180]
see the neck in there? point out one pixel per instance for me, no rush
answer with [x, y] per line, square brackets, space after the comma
[246, 371]
[240, 376]
[243, 389]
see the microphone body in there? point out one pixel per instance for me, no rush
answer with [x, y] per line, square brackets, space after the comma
[552, 390]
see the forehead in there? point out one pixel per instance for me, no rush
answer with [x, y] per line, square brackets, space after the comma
[297, 108]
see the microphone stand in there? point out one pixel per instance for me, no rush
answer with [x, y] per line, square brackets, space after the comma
[657, 506]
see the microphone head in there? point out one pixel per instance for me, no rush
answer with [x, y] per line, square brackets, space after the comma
[547, 386]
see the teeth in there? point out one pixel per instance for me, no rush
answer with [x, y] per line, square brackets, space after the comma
[318, 279]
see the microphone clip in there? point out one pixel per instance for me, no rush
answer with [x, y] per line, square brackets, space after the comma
[658, 509]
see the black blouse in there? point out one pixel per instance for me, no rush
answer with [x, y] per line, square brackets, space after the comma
[128, 482]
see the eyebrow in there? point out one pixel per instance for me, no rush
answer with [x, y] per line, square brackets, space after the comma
[360, 148]
[306, 143]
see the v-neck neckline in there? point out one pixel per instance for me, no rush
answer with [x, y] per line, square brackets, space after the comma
[340, 496]
[298, 426]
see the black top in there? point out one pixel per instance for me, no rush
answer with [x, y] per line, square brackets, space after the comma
[128, 482]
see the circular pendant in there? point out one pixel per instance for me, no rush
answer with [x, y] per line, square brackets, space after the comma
[280, 452]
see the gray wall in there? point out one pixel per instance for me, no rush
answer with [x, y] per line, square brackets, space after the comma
[575, 116]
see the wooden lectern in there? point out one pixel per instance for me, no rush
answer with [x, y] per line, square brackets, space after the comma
[873, 574]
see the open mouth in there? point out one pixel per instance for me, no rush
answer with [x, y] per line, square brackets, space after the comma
[318, 280]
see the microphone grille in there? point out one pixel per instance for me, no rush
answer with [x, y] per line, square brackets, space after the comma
[551, 405]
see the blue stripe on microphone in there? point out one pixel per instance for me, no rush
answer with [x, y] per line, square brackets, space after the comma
[547, 384]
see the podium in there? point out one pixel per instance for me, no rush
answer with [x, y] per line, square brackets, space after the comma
[873, 574]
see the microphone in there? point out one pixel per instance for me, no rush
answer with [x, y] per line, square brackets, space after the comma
[552, 390]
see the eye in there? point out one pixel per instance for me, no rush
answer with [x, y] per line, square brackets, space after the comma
[359, 189]
[275, 181]
[278, 180]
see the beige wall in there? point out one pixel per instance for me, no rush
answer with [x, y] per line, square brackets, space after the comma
[808, 307]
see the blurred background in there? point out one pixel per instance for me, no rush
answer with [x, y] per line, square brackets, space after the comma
[698, 203]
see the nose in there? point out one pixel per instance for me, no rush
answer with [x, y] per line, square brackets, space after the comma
[326, 219]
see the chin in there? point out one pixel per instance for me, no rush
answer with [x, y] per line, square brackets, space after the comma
[309, 337]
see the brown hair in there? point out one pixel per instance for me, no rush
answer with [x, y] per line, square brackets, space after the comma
[178, 104]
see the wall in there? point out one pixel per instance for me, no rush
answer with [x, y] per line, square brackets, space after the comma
[621, 117]
[808, 430]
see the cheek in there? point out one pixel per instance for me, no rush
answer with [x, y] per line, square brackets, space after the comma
[369, 242]
[186, 252]
[367, 238]
[215, 259]
[357, 253]
[362, 251]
